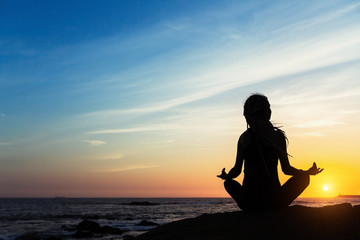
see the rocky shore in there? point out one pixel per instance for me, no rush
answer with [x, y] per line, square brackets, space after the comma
[297, 222]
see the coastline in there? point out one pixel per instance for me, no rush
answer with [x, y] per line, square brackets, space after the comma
[59, 217]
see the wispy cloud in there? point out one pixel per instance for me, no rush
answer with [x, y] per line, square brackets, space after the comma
[135, 130]
[128, 168]
[95, 142]
[318, 123]
[327, 50]
[310, 134]
[4, 143]
[321, 19]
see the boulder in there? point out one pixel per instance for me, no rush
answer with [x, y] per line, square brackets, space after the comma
[90, 226]
[29, 236]
[297, 223]
[146, 223]
[87, 226]
[82, 234]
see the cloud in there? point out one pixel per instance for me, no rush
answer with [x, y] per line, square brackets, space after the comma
[4, 143]
[318, 123]
[135, 130]
[161, 142]
[128, 168]
[321, 19]
[95, 142]
[330, 49]
[310, 134]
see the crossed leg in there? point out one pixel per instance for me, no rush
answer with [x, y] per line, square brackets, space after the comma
[281, 199]
[293, 188]
[235, 190]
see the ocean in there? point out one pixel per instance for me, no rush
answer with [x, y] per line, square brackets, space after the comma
[58, 217]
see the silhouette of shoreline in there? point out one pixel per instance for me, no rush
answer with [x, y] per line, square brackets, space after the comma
[340, 221]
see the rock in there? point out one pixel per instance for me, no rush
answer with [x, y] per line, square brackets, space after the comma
[143, 203]
[87, 226]
[90, 217]
[29, 236]
[128, 237]
[297, 223]
[52, 238]
[82, 234]
[90, 226]
[146, 223]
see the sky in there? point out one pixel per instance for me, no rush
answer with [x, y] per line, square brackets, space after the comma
[144, 98]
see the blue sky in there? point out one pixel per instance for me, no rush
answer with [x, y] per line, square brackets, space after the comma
[138, 82]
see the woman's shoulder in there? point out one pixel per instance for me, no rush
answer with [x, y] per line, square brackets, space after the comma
[279, 133]
[280, 136]
[246, 138]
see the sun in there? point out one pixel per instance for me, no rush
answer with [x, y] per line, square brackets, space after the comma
[325, 188]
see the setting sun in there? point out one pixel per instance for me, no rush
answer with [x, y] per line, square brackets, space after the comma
[325, 188]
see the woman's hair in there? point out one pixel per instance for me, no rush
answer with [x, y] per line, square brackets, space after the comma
[257, 113]
[257, 107]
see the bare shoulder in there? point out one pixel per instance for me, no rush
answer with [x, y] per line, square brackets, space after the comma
[280, 133]
[245, 139]
[281, 137]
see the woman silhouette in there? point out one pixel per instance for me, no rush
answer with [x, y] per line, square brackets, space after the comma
[259, 148]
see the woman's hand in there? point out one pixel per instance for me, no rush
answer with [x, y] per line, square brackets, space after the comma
[223, 174]
[314, 170]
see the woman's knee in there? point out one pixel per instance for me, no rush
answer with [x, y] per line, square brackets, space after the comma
[231, 184]
[228, 183]
[304, 178]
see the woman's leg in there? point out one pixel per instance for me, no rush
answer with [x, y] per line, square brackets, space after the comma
[235, 190]
[293, 188]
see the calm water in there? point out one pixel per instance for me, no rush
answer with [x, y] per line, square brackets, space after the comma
[19, 216]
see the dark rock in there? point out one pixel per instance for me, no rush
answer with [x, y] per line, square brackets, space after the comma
[128, 237]
[143, 203]
[146, 223]
[111, 230]
[83, 234]
[87, 226]
[52, 238]
[90, 226]
[297, 223]
[29, 236]
[90, 217]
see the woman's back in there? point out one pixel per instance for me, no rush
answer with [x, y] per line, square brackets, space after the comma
[260, 166]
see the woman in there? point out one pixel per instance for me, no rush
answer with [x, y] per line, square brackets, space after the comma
[259, 148]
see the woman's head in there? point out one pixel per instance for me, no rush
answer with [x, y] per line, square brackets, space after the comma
[257, 107]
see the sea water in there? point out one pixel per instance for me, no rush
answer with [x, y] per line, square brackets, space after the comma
[55, 216]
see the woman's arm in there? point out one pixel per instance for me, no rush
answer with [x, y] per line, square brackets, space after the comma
[284, 160]
[242, 144]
